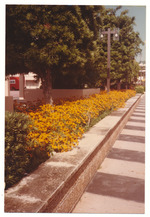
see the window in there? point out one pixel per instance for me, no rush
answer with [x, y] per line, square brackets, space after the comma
[12, 82]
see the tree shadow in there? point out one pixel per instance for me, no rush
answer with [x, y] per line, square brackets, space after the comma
[124, 187]
[131, 138]
[127, 155]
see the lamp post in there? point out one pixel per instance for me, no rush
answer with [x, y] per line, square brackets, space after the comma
[115, 33]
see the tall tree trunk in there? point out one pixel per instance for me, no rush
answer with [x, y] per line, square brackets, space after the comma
[118, 84]
[126, 81]
[47, 87]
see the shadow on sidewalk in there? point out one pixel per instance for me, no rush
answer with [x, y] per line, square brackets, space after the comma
[118, 186]
[131, 138]
[127, 155]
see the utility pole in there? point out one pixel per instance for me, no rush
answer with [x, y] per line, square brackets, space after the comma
[115, 33]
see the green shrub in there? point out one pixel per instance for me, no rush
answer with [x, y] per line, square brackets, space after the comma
[21, 156]
[17, 157]
[139, 89]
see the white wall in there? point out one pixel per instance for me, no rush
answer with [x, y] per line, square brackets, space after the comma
[7, 87]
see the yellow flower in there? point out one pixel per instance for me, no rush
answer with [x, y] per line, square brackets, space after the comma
[60, 126]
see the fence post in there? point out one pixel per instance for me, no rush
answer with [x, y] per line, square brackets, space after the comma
[8, 98]
[21, 86]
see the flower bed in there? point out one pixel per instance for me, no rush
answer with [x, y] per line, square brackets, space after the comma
[32, 137]
[59, 127]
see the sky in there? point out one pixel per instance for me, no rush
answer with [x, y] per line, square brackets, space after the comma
[139, 12]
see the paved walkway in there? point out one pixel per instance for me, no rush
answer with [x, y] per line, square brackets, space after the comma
[118, 185]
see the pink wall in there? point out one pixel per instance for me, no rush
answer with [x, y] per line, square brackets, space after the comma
[9, 103]
[34, 94]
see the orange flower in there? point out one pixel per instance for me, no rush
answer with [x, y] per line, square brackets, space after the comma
[59, 127]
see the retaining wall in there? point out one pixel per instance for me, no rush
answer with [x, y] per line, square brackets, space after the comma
[34, 94]
[57, 185]
[9, 103]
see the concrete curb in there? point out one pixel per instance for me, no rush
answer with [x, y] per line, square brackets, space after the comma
[57, 185]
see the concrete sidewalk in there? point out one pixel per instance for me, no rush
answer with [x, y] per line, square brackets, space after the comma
[118, 185]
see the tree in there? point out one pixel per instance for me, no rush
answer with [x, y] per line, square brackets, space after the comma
[124, 51]
[92, 16]
[16, 43]
[52, 41]
[61, 44]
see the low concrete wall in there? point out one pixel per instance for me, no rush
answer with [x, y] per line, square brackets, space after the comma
[66, 93]
[9, 103]
[34, 94]
[57, 185]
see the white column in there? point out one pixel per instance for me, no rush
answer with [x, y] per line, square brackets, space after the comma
[7, 86]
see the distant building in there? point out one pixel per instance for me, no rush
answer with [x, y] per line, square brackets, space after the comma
[30, 81]
[142, 72]
[14, 82]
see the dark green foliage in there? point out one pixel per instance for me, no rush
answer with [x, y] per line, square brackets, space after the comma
[38, 156]
[20, 155]
[16, 155]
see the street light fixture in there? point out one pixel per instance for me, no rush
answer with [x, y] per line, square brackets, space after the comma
[115, 33]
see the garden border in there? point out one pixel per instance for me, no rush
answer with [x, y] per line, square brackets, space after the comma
[57, 184]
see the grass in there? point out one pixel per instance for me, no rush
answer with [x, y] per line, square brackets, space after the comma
[96, 120]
